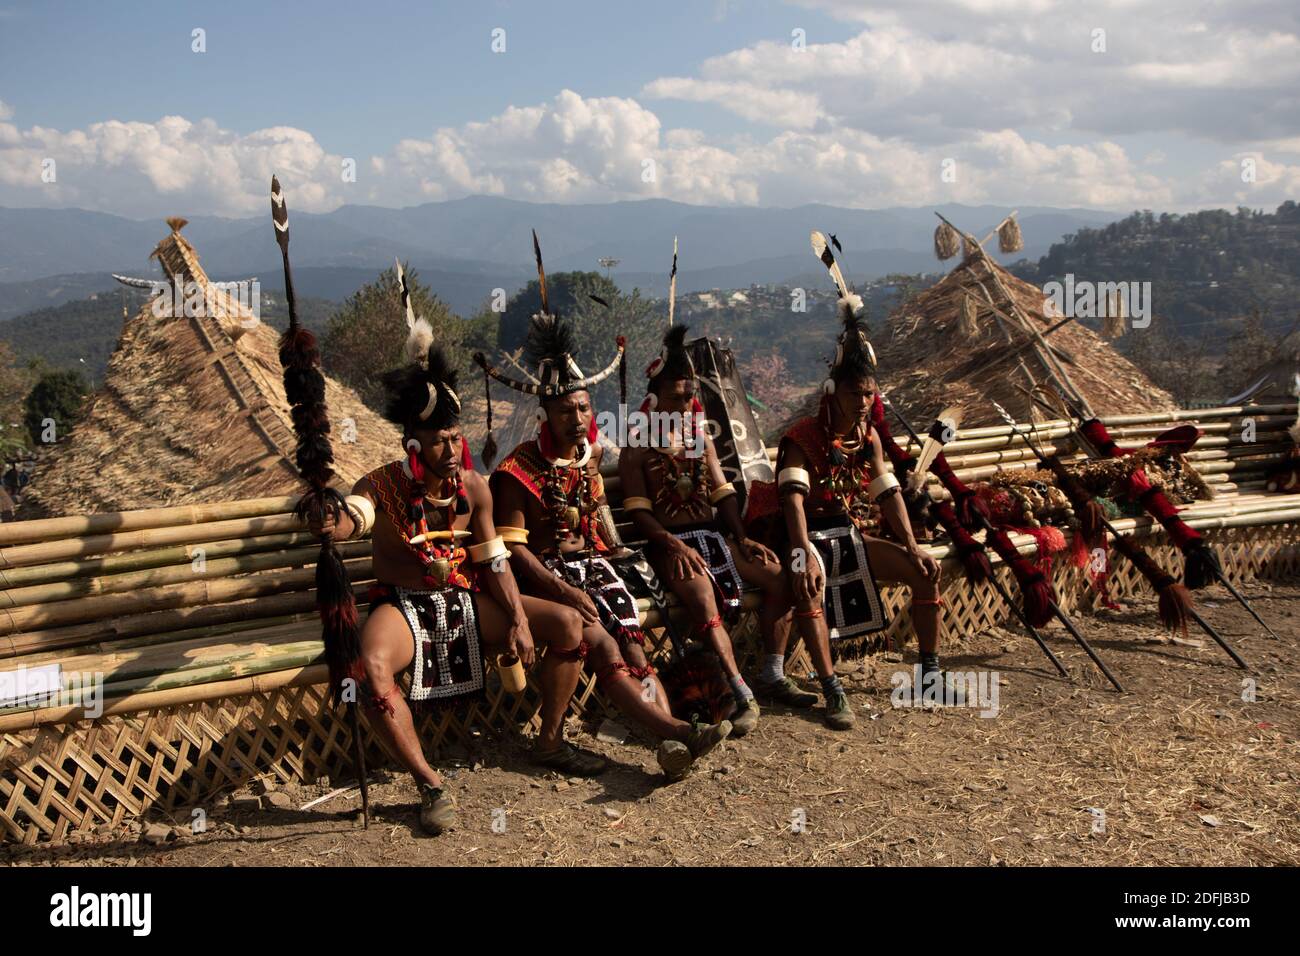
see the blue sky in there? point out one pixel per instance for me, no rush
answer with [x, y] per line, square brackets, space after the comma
[716, 96]
[360, 75]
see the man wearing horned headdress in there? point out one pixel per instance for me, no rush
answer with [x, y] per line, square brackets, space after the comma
[552, 512]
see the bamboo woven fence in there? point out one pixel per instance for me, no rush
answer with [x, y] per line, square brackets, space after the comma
[199, 623]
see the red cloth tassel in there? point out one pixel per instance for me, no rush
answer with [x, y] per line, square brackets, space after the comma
[1037, 590]
[1099, 438]
[969, 551]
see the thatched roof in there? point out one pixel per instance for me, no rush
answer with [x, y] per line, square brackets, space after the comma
[193, 409]
[930, 359]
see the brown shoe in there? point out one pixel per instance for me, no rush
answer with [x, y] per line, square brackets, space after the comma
[571, 760]
[743, 721]
[437, 811]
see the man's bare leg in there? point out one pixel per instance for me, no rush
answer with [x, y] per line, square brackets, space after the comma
[559, 630]
[682, 743]
[891, 562]
[387, 649]
[697, 596]
[635, 657]
[775, 617]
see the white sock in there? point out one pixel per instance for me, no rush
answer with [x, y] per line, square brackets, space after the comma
[773, 668]
[741, 689]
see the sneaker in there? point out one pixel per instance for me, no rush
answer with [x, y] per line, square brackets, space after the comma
[705, 737]
[570, 760]
[743, 721]
[785, 691]
[839, 712]
[674, 759]
[437, 811]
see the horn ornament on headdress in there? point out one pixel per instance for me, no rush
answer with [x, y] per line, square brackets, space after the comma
[550, 344]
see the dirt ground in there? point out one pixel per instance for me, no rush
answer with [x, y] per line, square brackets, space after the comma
[1183, 769]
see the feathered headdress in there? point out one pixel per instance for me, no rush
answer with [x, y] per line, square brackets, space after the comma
[550, 345]
[422, 393]
[854, 356]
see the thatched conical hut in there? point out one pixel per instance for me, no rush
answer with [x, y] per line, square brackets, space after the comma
[193, 409]
[959, 342]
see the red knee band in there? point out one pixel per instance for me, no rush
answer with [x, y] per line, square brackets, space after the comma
[641, 673]
[609, 672]
[710, 624]
[578, 653]
[928, 602]
[379, 704]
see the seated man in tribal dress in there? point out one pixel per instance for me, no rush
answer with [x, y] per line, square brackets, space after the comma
[670, 491]
[828, 467]
[442, 602]
[551, 510]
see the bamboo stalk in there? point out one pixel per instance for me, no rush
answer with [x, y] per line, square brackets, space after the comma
[242, 615]
[175, 697]
[158, 577]
[154, 558]
[167, 596]
[46, 529]
[127, 673]
[50, 551]
[235, 630]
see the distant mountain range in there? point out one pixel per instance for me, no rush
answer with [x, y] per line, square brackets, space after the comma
[465, 248]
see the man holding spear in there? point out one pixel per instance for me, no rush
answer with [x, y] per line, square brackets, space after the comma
[442, 602]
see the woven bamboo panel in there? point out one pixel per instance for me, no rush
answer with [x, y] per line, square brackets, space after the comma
[75, 777]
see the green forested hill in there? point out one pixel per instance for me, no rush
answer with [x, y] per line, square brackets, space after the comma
[1206, 268]
[83, 333]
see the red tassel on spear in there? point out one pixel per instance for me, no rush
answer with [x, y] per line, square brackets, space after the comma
[304, 386]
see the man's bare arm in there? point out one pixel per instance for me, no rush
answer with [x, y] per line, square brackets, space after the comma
[509, 510]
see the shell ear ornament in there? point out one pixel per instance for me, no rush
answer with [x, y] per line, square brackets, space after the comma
[652, 401]
[413, 444]
[828, 386]
[541, 416]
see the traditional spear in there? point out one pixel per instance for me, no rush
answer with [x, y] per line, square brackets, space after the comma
[1175, 602]
[304, 386]
[970, 551]
[672, 284]
[1201, 565]
[1040, 602]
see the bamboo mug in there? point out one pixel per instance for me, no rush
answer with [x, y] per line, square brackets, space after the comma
[511, 672]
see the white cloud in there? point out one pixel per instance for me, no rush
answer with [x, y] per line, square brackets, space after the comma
[575, 148]
[1221, 71]
[139, 168]
[6, 111]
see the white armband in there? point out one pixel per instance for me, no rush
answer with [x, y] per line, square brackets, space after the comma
[722, 491]
[487, 551]
[882, 485]
[362, 512]
[796, 478]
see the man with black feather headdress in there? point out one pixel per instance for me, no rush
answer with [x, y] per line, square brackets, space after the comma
[672, 482]
[551, 510]
[446, 593]
[828, 465]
